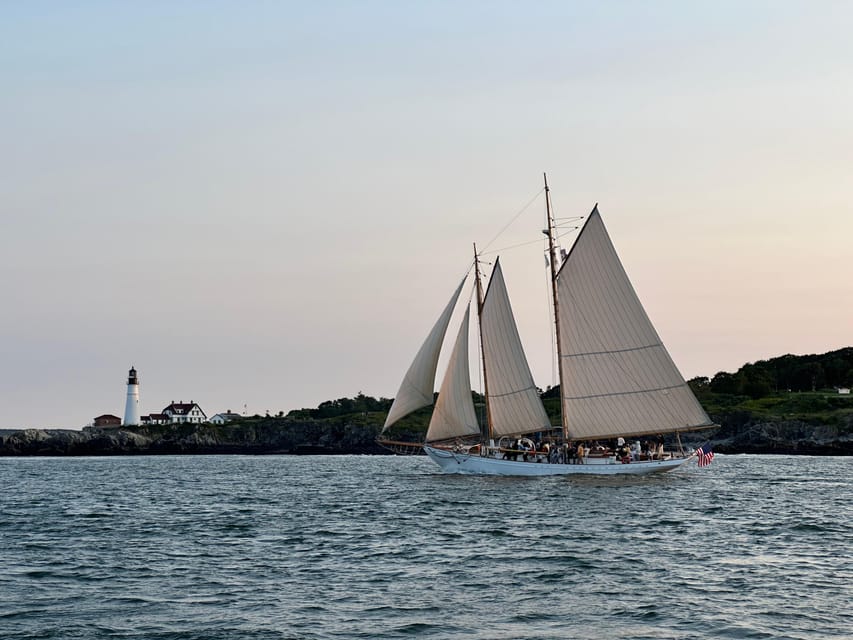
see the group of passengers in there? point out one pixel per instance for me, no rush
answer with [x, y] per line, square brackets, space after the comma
[530, 451]
[578, 452]
[636, 451]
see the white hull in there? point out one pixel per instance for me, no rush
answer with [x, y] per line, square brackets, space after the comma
[475, 464]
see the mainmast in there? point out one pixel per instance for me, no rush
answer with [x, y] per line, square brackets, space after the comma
[488, 434]
[552, 255]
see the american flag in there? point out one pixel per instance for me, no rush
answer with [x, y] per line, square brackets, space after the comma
[705, 454]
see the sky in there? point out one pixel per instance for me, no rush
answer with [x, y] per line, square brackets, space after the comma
[265, 205]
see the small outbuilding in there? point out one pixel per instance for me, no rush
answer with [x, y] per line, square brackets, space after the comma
[107, 420]
[222, 418]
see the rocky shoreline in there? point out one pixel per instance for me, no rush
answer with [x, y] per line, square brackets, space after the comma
[276, 436]
[739, 434]
[196, 439]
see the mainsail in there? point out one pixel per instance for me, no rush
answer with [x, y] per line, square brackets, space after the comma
[418, 384]
[454, 414]
[618, 378]
[514, 403]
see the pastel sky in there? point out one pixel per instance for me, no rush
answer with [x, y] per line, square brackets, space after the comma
[267, 204]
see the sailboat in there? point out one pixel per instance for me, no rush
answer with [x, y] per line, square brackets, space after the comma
[618, 383]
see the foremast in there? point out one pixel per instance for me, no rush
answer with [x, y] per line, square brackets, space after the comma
[552, 261]
[488, 435]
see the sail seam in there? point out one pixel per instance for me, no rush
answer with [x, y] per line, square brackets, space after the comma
[608, 314]
[512, 393]
[604, 353]
[624, 393]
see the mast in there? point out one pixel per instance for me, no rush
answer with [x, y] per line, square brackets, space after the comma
[488, 434]
[552, 254]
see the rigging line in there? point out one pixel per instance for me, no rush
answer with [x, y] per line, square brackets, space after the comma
[566, 228]
[468, 271]
[514, 218]
[514, 246]
[473, 289]
[570, 227]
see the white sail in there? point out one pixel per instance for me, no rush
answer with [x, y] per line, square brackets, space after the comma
[417, 387]
[514, 403]
[618, 378]
[454, 414]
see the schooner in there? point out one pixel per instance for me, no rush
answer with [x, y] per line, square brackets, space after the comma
[617, 381]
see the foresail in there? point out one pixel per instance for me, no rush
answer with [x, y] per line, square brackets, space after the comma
[514, 403]
[418, 384]
[454, 414]
[618, 378]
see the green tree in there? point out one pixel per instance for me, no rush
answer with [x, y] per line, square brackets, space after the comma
[725, 382]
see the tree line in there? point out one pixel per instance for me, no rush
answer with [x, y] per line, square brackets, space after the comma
[759, 379]
[788, 373]
[342, 407]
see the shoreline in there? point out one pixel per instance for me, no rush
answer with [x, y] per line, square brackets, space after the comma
[343, 438]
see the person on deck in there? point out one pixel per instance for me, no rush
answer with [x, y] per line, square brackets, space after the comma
[635, 451]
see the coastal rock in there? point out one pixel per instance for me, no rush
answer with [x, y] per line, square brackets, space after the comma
[785, 437]
[738, 434]
[262, 436]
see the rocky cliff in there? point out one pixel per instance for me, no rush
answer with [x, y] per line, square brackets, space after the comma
[251, 437]
[740, 433]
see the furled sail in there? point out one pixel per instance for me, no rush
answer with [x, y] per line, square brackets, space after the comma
[618, 378]
[418, 384]
[514, 403]
[454, 414]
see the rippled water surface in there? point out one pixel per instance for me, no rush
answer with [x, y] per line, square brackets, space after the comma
[216, 547]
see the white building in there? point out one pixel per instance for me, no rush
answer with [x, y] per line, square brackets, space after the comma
[222, 418]
[180, 412]
[844, 391]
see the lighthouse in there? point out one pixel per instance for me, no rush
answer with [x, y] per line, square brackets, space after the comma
[131, 407]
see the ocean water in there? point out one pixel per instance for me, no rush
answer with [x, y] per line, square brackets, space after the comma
[221, 547]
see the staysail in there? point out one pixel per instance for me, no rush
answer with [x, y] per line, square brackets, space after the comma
[514, 403]
[618, 378]
[454, 414]
[418, 384]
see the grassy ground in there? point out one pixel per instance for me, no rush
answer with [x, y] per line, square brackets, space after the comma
[811, 407]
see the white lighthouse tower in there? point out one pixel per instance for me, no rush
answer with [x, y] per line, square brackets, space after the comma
[131, 407]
